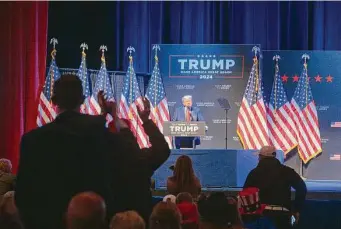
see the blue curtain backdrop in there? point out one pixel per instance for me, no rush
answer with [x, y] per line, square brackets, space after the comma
[274, 25]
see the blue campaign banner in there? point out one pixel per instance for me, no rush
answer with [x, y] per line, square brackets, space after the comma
[210, 74]
[324, 74]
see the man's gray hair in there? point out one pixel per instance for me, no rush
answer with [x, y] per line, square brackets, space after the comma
[186, 97]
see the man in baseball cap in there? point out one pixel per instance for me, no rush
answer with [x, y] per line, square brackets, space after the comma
[274, 182]
[266, 151]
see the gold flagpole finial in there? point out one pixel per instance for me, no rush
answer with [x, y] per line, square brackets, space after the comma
[305, 57]
[103, 48]
[130, 49]
[156, 48]
[54, 42]
[83, 47]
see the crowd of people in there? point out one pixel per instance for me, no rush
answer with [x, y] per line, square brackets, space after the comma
[77, 173]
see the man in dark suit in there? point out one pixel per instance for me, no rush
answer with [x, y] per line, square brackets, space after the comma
[187, 113]
[61, 159]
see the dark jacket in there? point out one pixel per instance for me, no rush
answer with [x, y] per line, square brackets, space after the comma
[133, 177]
[57, 161]
[275, 181]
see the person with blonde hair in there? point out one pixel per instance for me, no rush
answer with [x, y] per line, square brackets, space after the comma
[7, 179]
[183, 179]
[165, 215]
[127, 220]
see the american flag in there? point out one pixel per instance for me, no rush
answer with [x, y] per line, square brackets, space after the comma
[335, 157]
[102, 84]
[335, 124]
[251, 125]
[157, 97]
[130, 98]
[46, 111]
[82, 73]
[282, 129]
[306, 120]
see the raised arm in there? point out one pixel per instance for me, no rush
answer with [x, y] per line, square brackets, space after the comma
[159, 151]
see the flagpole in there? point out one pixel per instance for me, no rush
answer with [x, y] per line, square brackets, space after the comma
[84, 108]
[53, 41]
[130, 49]
[103, 48]
[305, 57]
[256, 50]
[276, 58]
[156, 47]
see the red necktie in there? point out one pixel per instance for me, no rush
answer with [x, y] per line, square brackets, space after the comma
[188, 116]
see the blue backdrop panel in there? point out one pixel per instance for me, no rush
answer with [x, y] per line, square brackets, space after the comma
[208, 72]
[324, 72]
[214, 168]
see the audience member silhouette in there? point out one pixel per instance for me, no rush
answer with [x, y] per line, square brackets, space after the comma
[184, 179]
[134, 175]
[274, 182]
[7, 179]
[86, 210]
[218, 212]
[165, 215]
[127, 220]
[61, 159]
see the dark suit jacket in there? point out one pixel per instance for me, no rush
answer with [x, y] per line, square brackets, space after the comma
[57, 161]
[132, 179]
[179, 115]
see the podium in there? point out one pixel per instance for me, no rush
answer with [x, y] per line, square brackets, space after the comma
[185, 132]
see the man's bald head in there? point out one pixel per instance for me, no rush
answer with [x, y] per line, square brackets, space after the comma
[86, 211]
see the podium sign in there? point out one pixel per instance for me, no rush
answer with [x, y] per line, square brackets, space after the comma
[184, 129]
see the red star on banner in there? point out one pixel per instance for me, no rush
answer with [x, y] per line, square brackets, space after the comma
[329, 79]
[295, 78]
[284, 78]
[318, 78]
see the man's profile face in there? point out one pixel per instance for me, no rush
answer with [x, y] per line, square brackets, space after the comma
[187, 102]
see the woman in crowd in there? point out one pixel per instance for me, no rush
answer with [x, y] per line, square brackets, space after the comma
[184, 179]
